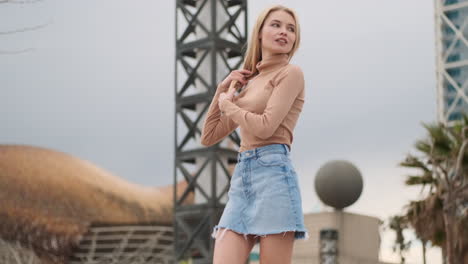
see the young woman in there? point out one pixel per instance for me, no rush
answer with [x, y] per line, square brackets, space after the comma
[264, 200]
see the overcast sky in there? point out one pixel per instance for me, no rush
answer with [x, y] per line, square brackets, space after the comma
[98, 83]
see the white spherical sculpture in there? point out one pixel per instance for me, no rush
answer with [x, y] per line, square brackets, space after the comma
[338, 183]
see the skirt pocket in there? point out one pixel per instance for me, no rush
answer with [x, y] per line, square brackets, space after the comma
[273, 159]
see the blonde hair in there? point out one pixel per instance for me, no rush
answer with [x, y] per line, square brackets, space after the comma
[254, 49]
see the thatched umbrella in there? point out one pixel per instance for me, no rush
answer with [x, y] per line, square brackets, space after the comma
[49, 200]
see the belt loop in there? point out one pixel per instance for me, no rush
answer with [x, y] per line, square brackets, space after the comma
[285, 148]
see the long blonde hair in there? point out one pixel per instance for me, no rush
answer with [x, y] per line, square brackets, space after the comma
[254, 49]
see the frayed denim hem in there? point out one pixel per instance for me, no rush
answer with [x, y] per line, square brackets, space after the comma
[298, 234]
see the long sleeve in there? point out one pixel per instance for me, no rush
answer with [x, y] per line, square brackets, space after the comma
[288, 85]
[216, 126]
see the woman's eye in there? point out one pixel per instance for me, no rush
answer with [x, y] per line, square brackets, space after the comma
[291, 29]
[275, 24]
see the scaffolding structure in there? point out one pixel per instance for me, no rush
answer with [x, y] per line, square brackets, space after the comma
[210, 37]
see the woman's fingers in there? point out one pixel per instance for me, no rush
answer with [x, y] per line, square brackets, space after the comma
[240, 78]
[222, 96]
[244, 72]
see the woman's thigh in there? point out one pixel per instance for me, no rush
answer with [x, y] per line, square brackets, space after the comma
[277, 248]
[232, 248]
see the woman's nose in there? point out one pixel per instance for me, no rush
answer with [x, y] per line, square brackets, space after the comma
[284, 31]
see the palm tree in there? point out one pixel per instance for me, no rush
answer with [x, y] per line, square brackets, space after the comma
[425, 217]
[398, 224]
[442, 216]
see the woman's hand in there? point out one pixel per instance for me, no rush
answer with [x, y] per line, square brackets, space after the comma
[227, 96]
[241, 76]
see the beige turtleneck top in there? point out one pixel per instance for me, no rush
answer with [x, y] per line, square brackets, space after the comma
[266, 110]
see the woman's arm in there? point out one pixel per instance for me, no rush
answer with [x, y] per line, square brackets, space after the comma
[216, 126]
[288, 86]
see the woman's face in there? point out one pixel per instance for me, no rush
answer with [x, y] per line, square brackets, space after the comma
[278, 33]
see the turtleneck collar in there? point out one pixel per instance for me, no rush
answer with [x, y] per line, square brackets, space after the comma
[273, 62]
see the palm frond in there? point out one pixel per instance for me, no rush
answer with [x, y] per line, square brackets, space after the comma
[414, 162]
[424, 146]
[465, 118]
[425, 179]
[414, 208]
[441, 142]
[456, 130]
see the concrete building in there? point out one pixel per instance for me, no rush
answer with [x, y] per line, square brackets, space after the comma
[358, 240]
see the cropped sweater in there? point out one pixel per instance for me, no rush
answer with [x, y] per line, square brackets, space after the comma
[267, 109]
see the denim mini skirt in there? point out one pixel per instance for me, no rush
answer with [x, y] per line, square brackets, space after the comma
[264, 195]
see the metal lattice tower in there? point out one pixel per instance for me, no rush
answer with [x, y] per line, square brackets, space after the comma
[210, 36]
[452, 58]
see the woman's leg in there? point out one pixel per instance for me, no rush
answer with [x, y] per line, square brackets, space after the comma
[276, 248]
[231, 247]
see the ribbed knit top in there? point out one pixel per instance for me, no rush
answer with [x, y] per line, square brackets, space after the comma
[267, 109]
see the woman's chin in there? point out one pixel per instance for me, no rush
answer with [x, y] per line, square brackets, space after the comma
[279, 51]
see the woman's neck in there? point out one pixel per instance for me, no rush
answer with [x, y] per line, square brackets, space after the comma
[272, 61]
